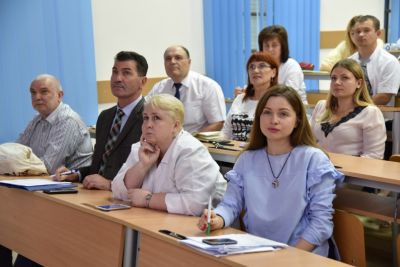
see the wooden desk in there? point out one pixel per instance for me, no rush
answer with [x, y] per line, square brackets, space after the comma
[55, 230]
[158, 249]
[65, 230]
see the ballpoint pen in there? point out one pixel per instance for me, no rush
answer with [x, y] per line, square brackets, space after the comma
[209, 217]
[66, 173]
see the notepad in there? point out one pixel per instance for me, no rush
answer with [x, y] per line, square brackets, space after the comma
[36, 184]
[246, 243]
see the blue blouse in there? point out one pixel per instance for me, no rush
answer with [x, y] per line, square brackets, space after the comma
[299, 208]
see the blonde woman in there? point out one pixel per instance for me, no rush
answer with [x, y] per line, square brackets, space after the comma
[168, 169]
[348, 122]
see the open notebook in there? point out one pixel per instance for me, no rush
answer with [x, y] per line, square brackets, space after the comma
[245, 243]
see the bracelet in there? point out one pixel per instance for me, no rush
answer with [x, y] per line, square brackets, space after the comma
[148, 198]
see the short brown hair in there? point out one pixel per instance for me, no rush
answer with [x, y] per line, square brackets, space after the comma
[279, 32]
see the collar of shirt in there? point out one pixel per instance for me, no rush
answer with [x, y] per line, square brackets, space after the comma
[52, 118]
[185, 82]
[371, 57]
[167, 155]
[128, 110]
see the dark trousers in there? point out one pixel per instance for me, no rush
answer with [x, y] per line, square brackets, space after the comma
[21, 261]
[388, 145]
[5, 257]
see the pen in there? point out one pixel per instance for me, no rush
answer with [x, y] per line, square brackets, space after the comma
[65, 173]
[209, 217]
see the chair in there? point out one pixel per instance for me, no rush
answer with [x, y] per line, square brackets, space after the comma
[395, 157]
[398, 248]
[348, 232]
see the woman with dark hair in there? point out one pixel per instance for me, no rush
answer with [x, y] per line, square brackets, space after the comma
[284, 174]
[274, 40]
[262, 71]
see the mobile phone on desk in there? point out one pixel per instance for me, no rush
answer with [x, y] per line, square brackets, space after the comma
[219, 241]
[110, 207]
[61, 191]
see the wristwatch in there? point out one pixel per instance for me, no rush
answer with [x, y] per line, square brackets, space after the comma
[148, 198]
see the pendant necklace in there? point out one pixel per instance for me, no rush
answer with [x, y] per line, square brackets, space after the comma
[275, 182]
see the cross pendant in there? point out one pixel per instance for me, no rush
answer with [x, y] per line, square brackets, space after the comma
[275, 183]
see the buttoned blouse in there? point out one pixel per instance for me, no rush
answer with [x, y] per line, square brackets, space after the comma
[187, 174]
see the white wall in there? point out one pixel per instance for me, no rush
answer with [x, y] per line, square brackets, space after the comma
[147, 27]
[336, 14]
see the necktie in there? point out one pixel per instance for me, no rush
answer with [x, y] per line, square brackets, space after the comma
[112, 138]
[367, 82]
[177, 86]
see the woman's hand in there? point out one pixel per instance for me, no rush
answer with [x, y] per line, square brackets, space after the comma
[216, 221]
[138, 197]
[148, 153]
[239, 90]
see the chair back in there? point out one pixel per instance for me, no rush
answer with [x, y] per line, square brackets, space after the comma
[395, 157]
[348, 232]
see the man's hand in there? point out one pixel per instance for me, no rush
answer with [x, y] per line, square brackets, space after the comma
[69, 178]
[96, 181]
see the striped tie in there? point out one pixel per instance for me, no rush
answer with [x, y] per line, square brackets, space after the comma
[112, 138]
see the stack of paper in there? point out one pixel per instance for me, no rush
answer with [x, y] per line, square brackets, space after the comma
[210, 136]
[36, 184]
[246, 243]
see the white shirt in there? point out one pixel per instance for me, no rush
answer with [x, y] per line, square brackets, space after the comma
[187, 173]
[202, 99]
[240, 118]
[290, 74]
[383, 72]
[364, 135]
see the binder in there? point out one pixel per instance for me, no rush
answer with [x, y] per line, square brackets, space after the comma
[35, 184]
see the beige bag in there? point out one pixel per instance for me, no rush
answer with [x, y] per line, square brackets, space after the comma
[17, 159]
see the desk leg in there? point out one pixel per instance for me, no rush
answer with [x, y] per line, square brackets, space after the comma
[396, 133]
[131, 248]
[395, 230]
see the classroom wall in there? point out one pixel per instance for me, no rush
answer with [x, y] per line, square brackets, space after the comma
[147, 27]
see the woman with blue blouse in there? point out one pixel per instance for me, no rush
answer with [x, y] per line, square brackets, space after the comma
[283, 182]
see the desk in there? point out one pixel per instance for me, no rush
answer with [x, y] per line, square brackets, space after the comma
[65, 230]
[55, 230]
[174, 253]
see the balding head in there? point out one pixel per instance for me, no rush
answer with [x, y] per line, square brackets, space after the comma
[46, 94]
[177, 62]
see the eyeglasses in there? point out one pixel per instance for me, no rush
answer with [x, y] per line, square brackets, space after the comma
[261, 66]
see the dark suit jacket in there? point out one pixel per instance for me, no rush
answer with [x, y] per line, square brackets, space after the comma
[130, 134]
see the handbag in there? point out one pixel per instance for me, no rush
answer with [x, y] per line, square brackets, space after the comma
[17, 159]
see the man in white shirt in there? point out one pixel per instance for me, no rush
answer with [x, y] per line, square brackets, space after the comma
[201, 96]
[383, 69]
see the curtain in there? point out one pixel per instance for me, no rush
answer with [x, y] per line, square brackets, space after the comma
[45, 36]
[394, 21]
[227, 41]
[227, 30]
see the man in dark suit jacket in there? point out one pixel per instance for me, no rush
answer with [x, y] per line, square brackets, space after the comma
[127, 81]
